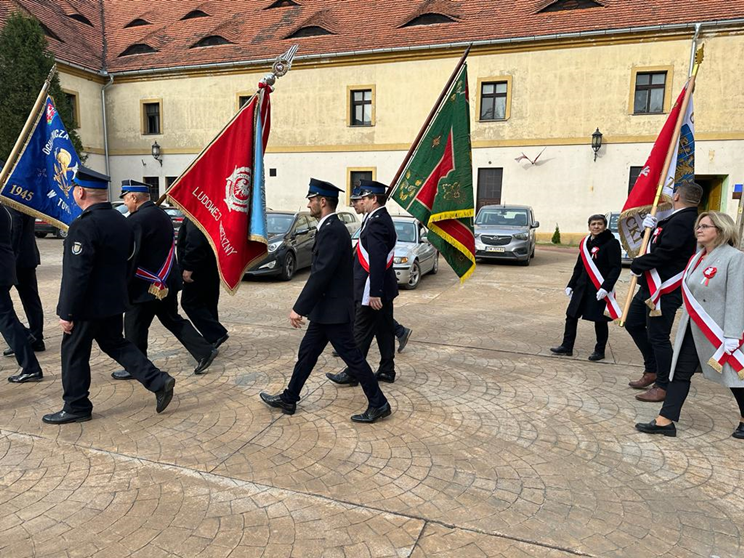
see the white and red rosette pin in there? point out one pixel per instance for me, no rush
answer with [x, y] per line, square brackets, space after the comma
[657, 232]
[595, 250]
[708, 274]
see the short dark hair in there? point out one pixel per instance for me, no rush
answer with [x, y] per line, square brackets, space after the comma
[597, 217]
[380, 198]
[332, 202]
[690, 192]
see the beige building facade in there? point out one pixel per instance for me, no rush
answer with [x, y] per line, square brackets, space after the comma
[558, 92]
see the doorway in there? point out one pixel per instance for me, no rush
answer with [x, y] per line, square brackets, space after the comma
[489, 187]
[713, 187]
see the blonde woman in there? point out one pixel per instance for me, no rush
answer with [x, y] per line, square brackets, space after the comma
[712, 324]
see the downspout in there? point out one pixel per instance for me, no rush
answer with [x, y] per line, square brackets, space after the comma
[105, 125]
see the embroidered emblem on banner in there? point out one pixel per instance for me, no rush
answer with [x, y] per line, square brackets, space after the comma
[77, 248]
[238, 189]
[62, 160]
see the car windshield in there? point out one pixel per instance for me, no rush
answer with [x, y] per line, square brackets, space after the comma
[504, 217]
[614, 218]
[279, 223]
[406, 231]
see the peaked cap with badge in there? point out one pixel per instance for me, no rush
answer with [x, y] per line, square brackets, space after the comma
[132, 186]
[322, 188]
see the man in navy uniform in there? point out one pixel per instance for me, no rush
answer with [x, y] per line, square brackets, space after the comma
[92, 298]
[153, 291]
[327, 300]
[12, 329]
[201, 283]
[672, 244]
[375, 284]
[27, 260]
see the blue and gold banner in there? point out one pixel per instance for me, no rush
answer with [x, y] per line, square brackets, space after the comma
[40, 183]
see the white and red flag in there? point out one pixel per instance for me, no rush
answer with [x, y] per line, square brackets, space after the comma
[681, 169]
[223, 191]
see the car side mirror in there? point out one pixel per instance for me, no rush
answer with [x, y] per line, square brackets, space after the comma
[423, 238]
[299, 232]
[536, 225]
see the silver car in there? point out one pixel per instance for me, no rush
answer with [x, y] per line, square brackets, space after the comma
[505, 232]
[414, 256]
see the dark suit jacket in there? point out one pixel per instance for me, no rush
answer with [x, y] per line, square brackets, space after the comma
[378, 237]
[673, 247]
[153, 237]
[24, 240]
[95, 265]
[328, 295]
[608, 260]
[195, 253]
[7, 256]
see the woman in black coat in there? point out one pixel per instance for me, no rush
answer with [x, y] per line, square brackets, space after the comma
[587, 301]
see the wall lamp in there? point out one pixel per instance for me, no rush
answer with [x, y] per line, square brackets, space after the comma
[159, 158]
[596, 142]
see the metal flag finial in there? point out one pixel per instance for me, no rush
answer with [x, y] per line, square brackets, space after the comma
[281, 65]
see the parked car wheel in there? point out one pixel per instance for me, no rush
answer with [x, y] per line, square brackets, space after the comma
[288, 269]
[415, 277]
[526, 262]
[40, 235]
[435, 269]
[533, 253]
[59, 233]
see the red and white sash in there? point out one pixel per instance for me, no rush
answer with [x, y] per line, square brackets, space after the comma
[613, 308]
[363, 256]
[709, 327]
[656, 287]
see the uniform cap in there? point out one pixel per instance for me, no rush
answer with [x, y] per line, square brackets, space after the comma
[368, 187]
[322, 188]
[356, 193]
[129, 185]
[88, 178]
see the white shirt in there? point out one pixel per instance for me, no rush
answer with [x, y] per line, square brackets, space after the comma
[368, 215]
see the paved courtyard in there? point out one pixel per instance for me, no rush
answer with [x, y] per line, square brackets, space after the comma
[495, 447]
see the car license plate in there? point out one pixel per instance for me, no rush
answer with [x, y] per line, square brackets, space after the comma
[494, 249]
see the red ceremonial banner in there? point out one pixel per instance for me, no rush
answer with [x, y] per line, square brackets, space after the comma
[217, 189]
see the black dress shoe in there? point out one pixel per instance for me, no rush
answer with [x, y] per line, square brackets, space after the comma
[204, 363]
[334, 354]
[277, 402]
[561, 350]
[63, 417]
[653, 428]
[388, 377]
[739, 432]
[121, 375]
[342, 378]
[8, 352]
[221, 340]
[164, 396]
[403, 339]
[38, 346]
[596, 356]
[372, 414]
[24, 377]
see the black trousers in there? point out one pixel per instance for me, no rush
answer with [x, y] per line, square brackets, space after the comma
[368, 324]
[687, 364]
[314, 343]
[76, 347]
[601, 330]
[28, 292]
[200, 300]
[651, 334]
[137, 325]
[399, 330]
[15, 334]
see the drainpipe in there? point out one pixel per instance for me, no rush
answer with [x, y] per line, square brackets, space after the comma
[105, 126]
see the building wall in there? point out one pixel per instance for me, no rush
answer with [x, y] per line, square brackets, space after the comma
[90, 117]
[559, 97]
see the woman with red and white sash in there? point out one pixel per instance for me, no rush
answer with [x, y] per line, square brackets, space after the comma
[712, 326]
[591, 287]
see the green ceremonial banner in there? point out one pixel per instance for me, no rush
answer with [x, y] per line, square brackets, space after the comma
[436, 185]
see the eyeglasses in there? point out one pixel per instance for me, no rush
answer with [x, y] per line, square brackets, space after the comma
[705, 227]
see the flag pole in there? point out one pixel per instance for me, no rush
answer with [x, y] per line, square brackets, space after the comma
[26, 128]
[428, 120]
[662, 178]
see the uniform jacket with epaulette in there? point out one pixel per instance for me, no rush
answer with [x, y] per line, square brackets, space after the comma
[95, 267]
[378, 237]
[195, 254]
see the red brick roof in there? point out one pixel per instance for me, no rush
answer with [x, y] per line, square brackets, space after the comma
[355, 25]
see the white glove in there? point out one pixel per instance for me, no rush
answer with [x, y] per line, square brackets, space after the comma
[650, 222]
[601, 294]
[569, 292]
[634, 274]
[730, 345]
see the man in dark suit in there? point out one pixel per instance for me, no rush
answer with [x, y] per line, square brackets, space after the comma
[327, 300]
[201, 283]
[375, 284]
[153, 291]
[12, 329]
[672, 245]
[92, 298]
[27, 260]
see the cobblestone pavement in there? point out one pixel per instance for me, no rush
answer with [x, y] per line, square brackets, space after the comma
[495, 447]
